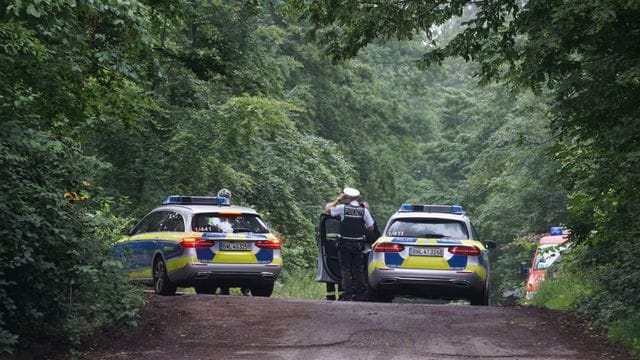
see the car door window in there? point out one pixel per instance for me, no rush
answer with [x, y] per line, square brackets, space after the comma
[143, 225]
[332, 228]
[150, 223]
[474, 234]
[160, 223]
[174, 222]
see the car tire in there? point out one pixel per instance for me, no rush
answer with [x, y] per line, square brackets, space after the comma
[161, 283]
[480, 299]
[205, 290]
[263, 290]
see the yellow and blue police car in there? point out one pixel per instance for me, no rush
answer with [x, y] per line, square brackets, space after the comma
[202, 242]
[430, 251]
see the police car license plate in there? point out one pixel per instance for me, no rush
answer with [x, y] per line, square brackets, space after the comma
[235, 246]
[426, 251]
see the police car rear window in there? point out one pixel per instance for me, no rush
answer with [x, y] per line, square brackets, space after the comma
[228, 223]
[428, 228]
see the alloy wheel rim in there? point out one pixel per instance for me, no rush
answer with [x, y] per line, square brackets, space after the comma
[159, 275]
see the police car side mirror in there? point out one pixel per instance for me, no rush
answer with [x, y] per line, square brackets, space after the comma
[129, 232]
[490, 244]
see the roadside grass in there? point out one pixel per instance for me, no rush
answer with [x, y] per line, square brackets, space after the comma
[627, 332]
[560, 291]
[299, 285]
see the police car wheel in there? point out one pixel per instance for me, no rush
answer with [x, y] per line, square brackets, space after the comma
[161, 283]
[205, 290]
[263, 290]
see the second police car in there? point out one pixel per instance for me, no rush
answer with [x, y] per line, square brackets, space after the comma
[430, 251]
[204, 243]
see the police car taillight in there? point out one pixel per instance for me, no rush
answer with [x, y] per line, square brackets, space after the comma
[273, 244]
[464, 250]
[196, 242]
[388, 247]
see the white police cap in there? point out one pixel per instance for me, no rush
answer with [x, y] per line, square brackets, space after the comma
[351, 192]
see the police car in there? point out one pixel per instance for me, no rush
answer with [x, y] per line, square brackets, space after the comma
[202, 242]
[430, 251]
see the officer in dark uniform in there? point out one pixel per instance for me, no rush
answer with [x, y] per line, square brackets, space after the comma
[355, 220]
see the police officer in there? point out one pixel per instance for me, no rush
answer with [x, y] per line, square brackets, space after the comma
[355, 220]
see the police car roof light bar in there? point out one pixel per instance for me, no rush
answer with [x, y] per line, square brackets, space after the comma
[556, 230]
[196, 200]
[452, 209]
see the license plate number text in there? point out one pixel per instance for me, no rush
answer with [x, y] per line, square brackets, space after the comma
[235, 246]
[426, 251]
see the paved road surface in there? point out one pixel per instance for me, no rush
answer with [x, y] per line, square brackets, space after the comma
[235, 327]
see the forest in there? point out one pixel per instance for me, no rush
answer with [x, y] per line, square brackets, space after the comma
[525, 112]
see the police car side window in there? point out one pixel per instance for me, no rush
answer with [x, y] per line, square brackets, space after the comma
[138, 228]
[175, 222]
[163, 223]
[159, 223]
[474, 233]
[179, 223]
[147, 224]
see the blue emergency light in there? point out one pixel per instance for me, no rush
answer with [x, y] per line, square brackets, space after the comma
[196, 200]
[406, 207]
[457, 209]
[555, 230]
[451, 209]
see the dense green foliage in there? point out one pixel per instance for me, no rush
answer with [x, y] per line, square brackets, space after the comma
[128, 101]
[57, 278]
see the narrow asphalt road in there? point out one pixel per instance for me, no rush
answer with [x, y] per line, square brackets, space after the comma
[234, 327]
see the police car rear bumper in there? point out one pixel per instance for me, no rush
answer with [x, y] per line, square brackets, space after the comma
[427, 283]
[225, 274]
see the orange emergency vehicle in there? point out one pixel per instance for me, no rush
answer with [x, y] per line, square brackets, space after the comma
[548, 252]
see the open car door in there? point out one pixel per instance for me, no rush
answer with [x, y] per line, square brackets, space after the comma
[327, 239]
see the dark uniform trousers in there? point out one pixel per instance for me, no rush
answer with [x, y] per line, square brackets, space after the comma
[351, 268]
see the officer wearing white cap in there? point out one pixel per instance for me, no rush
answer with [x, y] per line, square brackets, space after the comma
[355, 219]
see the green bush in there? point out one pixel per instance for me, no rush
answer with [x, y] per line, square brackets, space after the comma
[612, 303]
[506, 278]
[58, 281]
[627, 331]
[561, 290]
